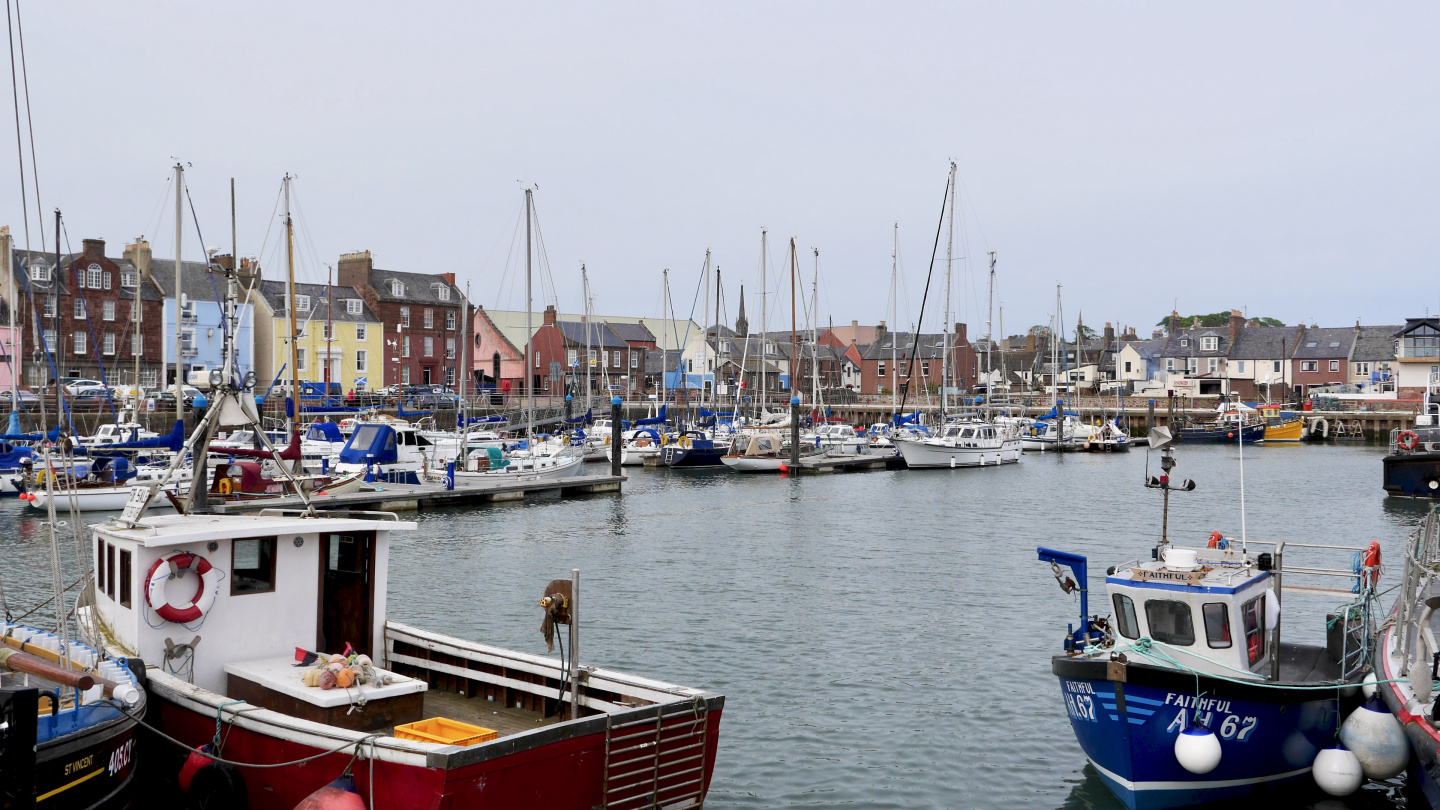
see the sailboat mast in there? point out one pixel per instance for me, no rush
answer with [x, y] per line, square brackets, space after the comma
[814, 323]
[664, 353]
[715, 379]
[794, 343]
[894, 309]
[179, 296]
[136, 315]
[706, 396]
[589, 314]
[529, 335]
[764, 288]
[989, 340]
[294, 418]
[949, 259]
[10, 299]
[329, 327]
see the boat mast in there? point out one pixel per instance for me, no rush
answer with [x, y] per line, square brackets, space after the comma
[949, 258]
[229, 361]
[136, 315]
[464, 370]
[529, 335]
[764, 349]
[794, 343]
[814, 322]
[180, 296]
[705, 396]
[10, 299]
[989, 341]
[589, 311]
[894, 308]
[715, 376]
[329, 330]
[664, 353]
[292, 419]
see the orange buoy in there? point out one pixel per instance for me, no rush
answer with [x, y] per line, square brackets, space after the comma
[338, 795]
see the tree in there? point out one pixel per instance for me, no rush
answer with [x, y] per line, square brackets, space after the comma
[1083, 332]
[1215, 319]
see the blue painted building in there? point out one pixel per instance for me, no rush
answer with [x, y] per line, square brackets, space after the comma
[202, 296]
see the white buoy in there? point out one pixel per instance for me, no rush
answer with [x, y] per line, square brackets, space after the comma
[1369, 685]
[1337, 771]
[1377, 740]
[1198, 749]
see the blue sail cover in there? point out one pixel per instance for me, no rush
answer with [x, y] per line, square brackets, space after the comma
[400, 409]
[483, 420]
[897, 420]
[654, 420]
[174, 441]
[10, 459]
[324, 432]
[583, 419]
[370, 440]
[326, 408]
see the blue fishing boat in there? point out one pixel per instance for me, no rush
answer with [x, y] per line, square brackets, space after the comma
[1185, 694]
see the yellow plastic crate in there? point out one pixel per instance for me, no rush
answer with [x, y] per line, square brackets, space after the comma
[445, 731]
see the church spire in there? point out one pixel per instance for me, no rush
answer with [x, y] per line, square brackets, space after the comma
[742, 325]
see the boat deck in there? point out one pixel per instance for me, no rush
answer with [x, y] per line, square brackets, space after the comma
[479, 711]
[403, 497]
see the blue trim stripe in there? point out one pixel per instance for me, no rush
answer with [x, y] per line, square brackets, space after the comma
[1136, 721]
[1154, 585]
[1147, 701]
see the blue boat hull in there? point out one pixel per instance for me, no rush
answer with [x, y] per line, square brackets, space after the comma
[1220, 435]
[1414, 474]
[692, 456]
[1127, 728]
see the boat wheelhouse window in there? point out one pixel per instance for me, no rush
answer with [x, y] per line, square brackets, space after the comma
[109, 570]
[1252, 614]
[1125, 616]
[99, 564]
[967, 433]
[252, 565]
[124, 578]
[1170, 622]
[1217, 624]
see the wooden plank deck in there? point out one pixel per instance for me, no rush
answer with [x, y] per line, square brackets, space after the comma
[404, 497]
[484, 713]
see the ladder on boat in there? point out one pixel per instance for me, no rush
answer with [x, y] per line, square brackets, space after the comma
[658, 760]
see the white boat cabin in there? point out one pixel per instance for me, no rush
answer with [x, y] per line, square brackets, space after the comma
[1207, 606]
[272, 584]
[969, 435]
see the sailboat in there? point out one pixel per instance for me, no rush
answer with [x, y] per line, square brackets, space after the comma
[967, 440]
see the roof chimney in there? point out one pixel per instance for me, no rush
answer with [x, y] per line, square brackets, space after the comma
[962, 335]
[139, 255]
[1237, 322]
[1030, 341]
[1173, 325]
[1109, 334]
[93, 248]
[880, 331]
[550, 315]
[353, 270]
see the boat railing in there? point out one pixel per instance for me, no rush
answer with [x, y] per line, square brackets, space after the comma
[1349, 631]
[1422, 566]
[330, 514]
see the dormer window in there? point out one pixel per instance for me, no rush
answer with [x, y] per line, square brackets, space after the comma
[39, 271]
[397, 288]
[302, 303]
[442, 291]
[352, 306]
[1209, 344]
[1184, 341]
[127, 279]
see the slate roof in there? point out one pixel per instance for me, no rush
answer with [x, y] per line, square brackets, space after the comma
[1375, 344]
[1264, 343]
[602, 336]
[148, 293]
[929, 346]
[631, 332]
[195, 281]
[274, 295]
[1147, 349]
[1193, 337]
[1327, 343]
[419, 288]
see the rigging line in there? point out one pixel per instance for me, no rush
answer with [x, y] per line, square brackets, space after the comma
[89, 325]
[919, 323]
[29, 119]
[159, 210]
[268, 228]
[19, 140]
[214, 288]
[510, 261]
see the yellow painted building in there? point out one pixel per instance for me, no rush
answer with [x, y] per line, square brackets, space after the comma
[354, 346]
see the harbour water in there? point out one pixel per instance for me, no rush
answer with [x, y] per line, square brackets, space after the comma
[882, 638]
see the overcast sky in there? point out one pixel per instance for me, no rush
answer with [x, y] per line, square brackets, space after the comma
[1281, 158]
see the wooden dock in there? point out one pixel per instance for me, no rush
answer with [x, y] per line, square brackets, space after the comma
[407, 497]
[828, 464]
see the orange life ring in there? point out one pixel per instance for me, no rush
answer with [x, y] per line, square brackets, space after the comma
[204, 595]
[1215, 538]
[1407, 440]
[1371, 562]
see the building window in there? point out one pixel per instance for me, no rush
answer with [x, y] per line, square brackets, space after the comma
[405, 375]
[615, 359]
[449, 348]
[1170, 364]
[1334, 365]
[537, 359]
[429, 347]
[574, 357]
[1276, 369]
[1362, 368]
[252, 565]
[49, 336]
[107, 279]
[1193, 365]
[450, 320]
[187, 342]
[78, 340]
[149, 378]
[362, 360]
[134, 310]
[79, 309]
[127, 278]
[450, 375]
[592, 353]
[93, 276]
[1127, 366]
[405, 317]
[50, 306]
[924, 368]
[135, 346]
[405, 346]
[429, 318]
[442, 291]
[1309, 365]
[360, 332]
[1209, 344]
[352, 306]
[109, 344]
[634, 360]
[1212, 364]
[302, 303]
[325, 331]
[39, 271]
[397, 288]
[107, 310]
[1184, 341]
[300, 359]
[1239, 366]
[880, 369]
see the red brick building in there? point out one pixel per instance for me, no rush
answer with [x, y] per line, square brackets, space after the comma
[88, 308]
[560, 356]
[887, 360]
[423, 316]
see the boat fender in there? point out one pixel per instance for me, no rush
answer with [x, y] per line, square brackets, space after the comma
[338, 795]
[1371, 562]
[1197, 749]
[1407, 440]
[1337, 771]
[1377, 740]
[1369, 685]
[192, 765]
[217, 786]
[205, 593]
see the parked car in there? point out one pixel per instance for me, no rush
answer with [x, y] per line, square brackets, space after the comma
[72, 383]
[430, 402]
[26, 399]
[167, 397]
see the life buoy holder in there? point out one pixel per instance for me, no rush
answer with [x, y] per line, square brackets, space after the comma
[204, 595]
[1218, 540]
[1371, 563]
[1407, 440]
[224, 486]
